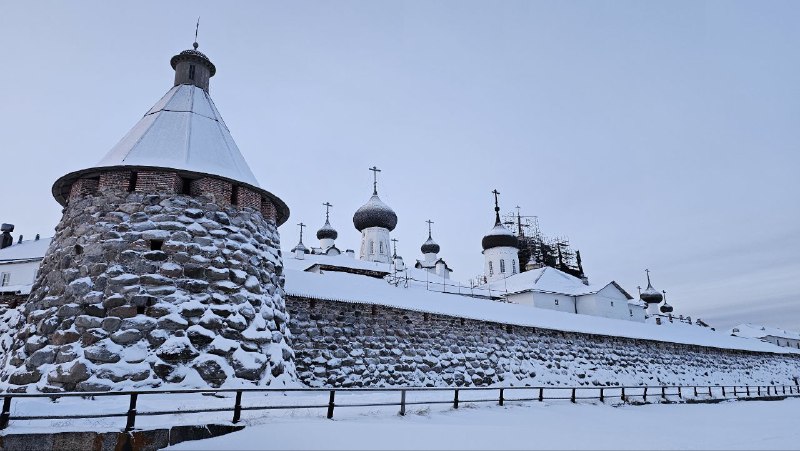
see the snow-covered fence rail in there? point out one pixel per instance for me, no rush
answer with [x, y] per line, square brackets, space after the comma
[331, 398]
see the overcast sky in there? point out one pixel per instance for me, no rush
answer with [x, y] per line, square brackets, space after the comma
[660, 135]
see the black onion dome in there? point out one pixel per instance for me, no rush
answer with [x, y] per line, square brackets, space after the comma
[499, 236]
[194, 55]
[651, 295]
[374, 214]
[327, 232]
[430, 247]
[666, 308]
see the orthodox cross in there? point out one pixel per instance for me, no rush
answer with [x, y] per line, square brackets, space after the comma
[665, 295]
[301, 231]
[327, 210]
[394, 242]
[375, 172]
[496, 207]
[429, 228]
[640, 289]
[648, 276]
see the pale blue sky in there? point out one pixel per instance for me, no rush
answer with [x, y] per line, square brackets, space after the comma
[652, 134]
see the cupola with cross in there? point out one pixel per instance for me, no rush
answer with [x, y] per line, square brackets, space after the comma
[327, 234]
[500, 248]
[375, 220]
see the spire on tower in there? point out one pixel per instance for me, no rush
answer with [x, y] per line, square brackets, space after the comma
[196, 29]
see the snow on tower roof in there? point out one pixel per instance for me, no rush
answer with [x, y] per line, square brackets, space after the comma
[183, 132]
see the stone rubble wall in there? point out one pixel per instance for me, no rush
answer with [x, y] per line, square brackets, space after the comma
[142, 290]
[340, 344]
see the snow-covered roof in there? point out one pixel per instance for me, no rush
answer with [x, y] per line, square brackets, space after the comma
[342, 260]
[749, 330]
[345, 287]
[26, 250]
[499, 236]
[549, 280]
[182, 131]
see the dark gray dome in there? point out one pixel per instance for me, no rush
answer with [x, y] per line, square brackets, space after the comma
[374, 214]
[430, 247]
[327, 232]
[666, 308]
[499, 236]
[651, 295]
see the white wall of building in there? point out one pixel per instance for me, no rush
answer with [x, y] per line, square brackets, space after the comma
[500, 262]
[608, 303]
[553, 301]
[636, 313]
[21, 273]
[375, 245]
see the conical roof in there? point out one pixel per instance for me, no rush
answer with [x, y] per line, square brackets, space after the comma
[183, 132]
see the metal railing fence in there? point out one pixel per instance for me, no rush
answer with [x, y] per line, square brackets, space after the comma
[636, 394]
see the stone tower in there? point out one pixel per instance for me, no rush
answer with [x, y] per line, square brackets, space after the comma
[165, 267]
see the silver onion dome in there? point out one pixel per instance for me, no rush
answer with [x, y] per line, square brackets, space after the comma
[374, 213]
[650, 294]
[430, 247]
[327, 232]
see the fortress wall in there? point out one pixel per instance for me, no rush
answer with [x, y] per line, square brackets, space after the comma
[340, 344]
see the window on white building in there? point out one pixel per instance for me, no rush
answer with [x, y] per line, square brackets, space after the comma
[371, 247]
[491, 269]
[612, 303]
[502, 266]
[4, 279]
[556, 301]
[513, 266]
[631, 310]
[380, 247]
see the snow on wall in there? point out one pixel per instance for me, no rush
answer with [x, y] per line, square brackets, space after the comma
[143, 290]
[346, 344]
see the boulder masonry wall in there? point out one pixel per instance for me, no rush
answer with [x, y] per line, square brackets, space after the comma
[341, 344]
[141, 289]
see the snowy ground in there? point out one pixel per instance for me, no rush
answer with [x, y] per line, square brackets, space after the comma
[728, 425]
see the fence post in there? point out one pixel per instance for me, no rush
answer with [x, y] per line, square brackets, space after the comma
[784, 389]
[680, 395]
[695, 391]
[759, 390]
[501, 397]
[6, 415]
[331, 404]
[237, 407]
[664, 393]
[541, 394]
[402, 402]
[748, 389]
[709, 392]
[644, 395]
[723, 391]
[735, 393]
[131, 413]
[602, 397]
[623, 394]
[572, 397]
[455, 399]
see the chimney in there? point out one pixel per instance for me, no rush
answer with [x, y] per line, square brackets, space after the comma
[6, 239]
[19, 241]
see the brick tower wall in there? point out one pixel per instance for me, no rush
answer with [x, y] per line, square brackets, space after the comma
[146, 289]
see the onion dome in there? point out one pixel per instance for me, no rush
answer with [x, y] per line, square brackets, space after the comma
[430, 247]
[666, 308]
[327, 232]
[499, 236]
[650, 294]
[375, 213]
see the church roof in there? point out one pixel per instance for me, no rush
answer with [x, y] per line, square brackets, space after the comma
[499, 236]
